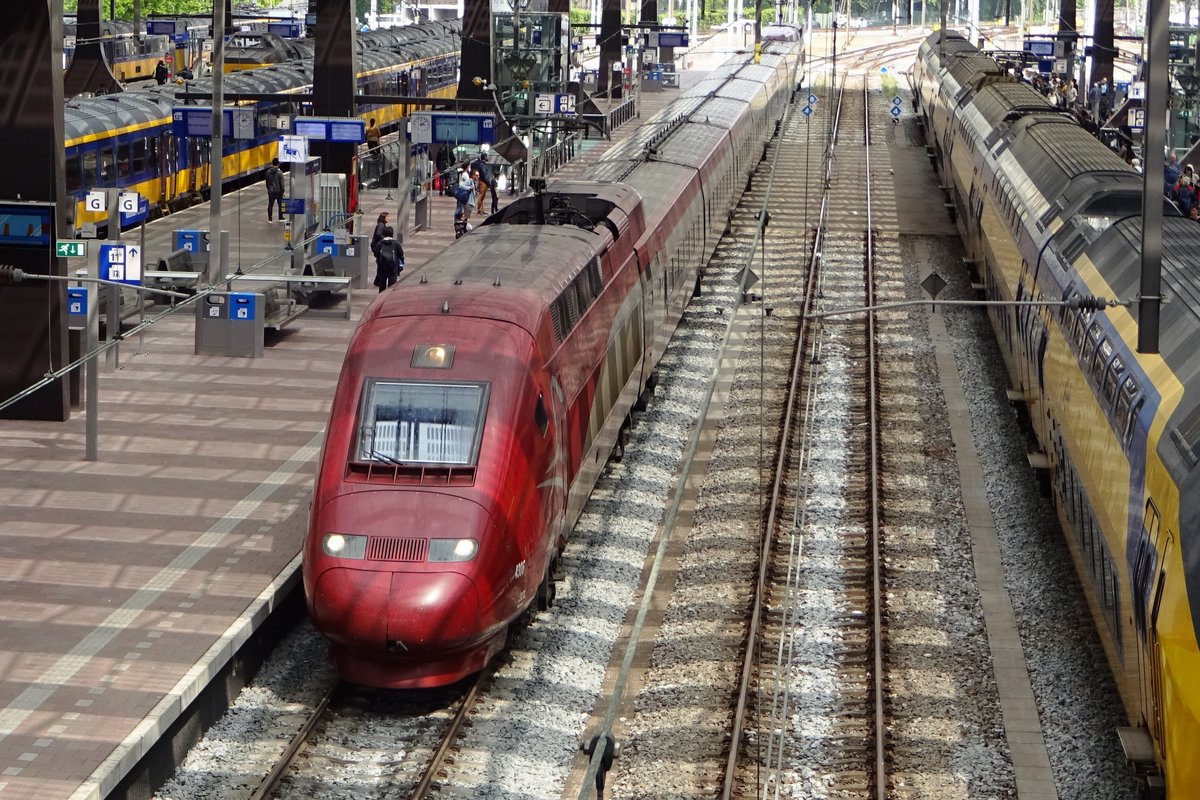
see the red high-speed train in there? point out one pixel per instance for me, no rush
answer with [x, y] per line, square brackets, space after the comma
[480, 398]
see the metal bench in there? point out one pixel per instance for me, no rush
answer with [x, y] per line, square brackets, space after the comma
[286, 307]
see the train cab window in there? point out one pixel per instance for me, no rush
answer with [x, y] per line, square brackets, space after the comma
[415, 422]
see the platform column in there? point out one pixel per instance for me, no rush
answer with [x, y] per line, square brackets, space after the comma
[33, 320]
[334, 79]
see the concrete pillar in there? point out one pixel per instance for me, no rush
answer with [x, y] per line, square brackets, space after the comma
[334, 78]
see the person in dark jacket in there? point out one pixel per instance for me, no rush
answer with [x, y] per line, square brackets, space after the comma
[389, 260]
[487, 182]
[161, 73]
[274, 190]
[381, 225]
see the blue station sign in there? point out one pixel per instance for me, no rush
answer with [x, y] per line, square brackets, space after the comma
[331, 129]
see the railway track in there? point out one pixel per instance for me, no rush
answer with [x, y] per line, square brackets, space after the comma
[386, 744]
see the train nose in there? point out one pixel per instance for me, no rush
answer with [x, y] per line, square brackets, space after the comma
[405, 613]
[431, 612]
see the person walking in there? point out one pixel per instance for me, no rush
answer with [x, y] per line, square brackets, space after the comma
[487, 181]
[389, 259]
[1171, 175]
[274, 190]
[161, 73]
[373, 136]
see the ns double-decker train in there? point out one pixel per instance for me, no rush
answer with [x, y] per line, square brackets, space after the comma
[130, 57]
[481, 397]
[126, 141]
[1049, 213]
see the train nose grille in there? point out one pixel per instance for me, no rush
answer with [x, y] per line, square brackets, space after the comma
[380, 548]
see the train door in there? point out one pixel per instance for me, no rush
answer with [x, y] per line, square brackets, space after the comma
[198, 159]
[1148, 582]
[550, 417]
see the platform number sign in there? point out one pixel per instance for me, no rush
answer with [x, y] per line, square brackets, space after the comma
[121, 263]
[896, 112]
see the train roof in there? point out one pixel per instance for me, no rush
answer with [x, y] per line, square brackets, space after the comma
[511, 268]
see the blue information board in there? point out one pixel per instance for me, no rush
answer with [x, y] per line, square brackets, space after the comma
[335, 129]
[672, 39]
[160, 27]
[295, 206]
[464, 128]
[287, 30]
[196, 121]
[121, 263]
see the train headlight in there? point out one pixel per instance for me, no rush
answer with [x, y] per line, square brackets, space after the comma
[452, 549]
[345, 545]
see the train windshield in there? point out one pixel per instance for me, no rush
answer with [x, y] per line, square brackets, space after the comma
[417, 422]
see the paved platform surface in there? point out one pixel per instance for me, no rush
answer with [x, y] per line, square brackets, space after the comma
[127, 582]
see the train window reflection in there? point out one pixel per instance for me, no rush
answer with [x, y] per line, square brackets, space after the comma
[421, 423]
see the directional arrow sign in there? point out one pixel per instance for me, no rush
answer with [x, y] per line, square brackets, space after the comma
[67, 248]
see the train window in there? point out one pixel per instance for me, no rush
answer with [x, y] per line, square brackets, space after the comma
[572, 307]
[1103, 354]
[1127, 408]
[594, 276]
[74, 181]
[558, 320]
[1112, 379]
[108, 167]
[123, 160]
[583, 293]
[90, 174]
[421, 423]
[1089, 345]
[138, 153]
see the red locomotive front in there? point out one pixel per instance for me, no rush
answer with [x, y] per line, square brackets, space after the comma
[426, 535]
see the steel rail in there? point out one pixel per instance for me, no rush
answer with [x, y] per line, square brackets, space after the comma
[777, 488]
[456, 725]
[872, 408]
[272, 778]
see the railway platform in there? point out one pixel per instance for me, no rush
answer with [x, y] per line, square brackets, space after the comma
[130, 583]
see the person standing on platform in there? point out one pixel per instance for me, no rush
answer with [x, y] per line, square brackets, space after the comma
[373, 136]
[274, 190]
[389, 260]
[464, 194]
[381, 225]
[161, 73]
[487, 181]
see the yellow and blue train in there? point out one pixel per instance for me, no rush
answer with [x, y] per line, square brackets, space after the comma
[125, 140]
[1049, 213]
[131, 58]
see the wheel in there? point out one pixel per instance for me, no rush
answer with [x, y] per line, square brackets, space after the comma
[547, 590]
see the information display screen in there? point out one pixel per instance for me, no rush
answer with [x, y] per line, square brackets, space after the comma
[27, 224]
[310, 129]
[350, 131]
[455, 129]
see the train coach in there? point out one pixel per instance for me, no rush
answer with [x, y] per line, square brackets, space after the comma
[1049, 213]
[480, 399]
[125, 140]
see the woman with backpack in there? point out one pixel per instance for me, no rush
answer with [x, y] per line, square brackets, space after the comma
[389, 259]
